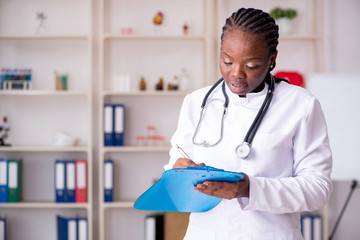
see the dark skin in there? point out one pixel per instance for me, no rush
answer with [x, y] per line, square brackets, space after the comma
[245, 60]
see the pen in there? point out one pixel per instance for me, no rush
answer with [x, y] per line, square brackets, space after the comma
[182, 152]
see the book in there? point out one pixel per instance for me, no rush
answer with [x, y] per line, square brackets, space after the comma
[154, 227]
[119, 124]
[66, 228]
[70, 181]
[81, 181]
[14, 180]
[72, 228]
[2, 228]
[59, 181]
[3, 180]
[108, 180]
[311, 226]
[82, 228]
[108, 125]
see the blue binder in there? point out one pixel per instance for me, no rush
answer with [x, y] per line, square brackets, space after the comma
[108, 125]
[66, 228]
[174, 192]
[70, 181]
[60, 181]
[119, 124]
[3, 180]
[108, 180]
[82, 228]
[2, 228]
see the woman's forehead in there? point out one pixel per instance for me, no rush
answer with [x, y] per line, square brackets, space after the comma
[240, 42]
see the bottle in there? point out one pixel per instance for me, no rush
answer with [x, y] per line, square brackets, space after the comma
[160, 84]
[184, 80]
[142, 84]
[175, 83]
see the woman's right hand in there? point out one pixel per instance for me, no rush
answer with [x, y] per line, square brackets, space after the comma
[184, 162]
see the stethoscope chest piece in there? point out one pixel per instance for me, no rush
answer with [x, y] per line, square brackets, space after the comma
[243, 150]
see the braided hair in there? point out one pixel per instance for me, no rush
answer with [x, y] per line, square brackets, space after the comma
[253, 21]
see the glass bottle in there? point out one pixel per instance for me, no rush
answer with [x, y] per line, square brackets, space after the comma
[142, 84]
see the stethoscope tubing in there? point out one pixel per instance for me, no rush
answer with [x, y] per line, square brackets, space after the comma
[254, 126]
[256, 123]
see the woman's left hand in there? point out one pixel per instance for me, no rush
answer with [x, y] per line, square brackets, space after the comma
[225, 190]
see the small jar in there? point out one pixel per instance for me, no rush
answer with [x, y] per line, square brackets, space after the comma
[140, 141]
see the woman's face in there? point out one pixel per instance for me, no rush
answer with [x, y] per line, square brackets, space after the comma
[244, 61]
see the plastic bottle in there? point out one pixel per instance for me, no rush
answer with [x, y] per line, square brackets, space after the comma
[184, 80]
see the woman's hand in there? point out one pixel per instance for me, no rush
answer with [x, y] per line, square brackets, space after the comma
[225, 190]
[184, 162]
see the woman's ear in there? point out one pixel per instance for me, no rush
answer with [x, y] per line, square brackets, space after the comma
[273, 60]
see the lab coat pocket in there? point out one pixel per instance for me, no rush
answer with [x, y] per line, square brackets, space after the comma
[198, 233]
[272, 155]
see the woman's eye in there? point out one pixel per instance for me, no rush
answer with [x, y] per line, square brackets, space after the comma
[251, 67]
[227, 63]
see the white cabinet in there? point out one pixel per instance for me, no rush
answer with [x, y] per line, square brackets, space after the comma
[35, 115]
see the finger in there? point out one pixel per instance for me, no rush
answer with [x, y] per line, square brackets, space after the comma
[212, 191]
[218, 189]
[184, 162]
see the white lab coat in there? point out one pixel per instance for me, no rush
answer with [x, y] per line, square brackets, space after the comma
[289, 165]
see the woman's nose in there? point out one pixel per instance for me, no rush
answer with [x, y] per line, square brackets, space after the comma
[237, 72]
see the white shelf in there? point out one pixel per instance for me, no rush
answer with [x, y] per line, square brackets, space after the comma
[44, 37]
[135, 149]
[145, 93]
[150, 37]
[120, 204]
[43, 93]
[44, 149]
[47, 205]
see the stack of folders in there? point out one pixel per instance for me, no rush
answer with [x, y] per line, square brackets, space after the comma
[71, 181]
[114, 124]
[108, 180]
[10, 180]
[2, 229]
[71, 228]
[311, 226]
[154, 227]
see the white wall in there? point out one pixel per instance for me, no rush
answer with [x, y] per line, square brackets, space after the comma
[342, 33]
[342, 47]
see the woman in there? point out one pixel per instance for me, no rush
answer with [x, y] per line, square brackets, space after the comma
[288, 168]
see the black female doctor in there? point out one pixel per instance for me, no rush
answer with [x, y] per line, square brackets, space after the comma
[289, 164]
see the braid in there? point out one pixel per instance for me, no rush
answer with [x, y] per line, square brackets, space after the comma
[254, 21]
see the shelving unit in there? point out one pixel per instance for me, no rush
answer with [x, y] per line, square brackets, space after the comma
[31, 127]
[159, 56]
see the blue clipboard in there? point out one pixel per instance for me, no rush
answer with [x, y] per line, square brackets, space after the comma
[174, 192]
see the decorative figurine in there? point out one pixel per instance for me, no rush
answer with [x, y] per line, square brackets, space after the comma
[40, 29]
[158, 21]
[185, 29]
[4, 128]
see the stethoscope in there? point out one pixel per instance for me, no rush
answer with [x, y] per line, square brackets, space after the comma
[242, 150]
